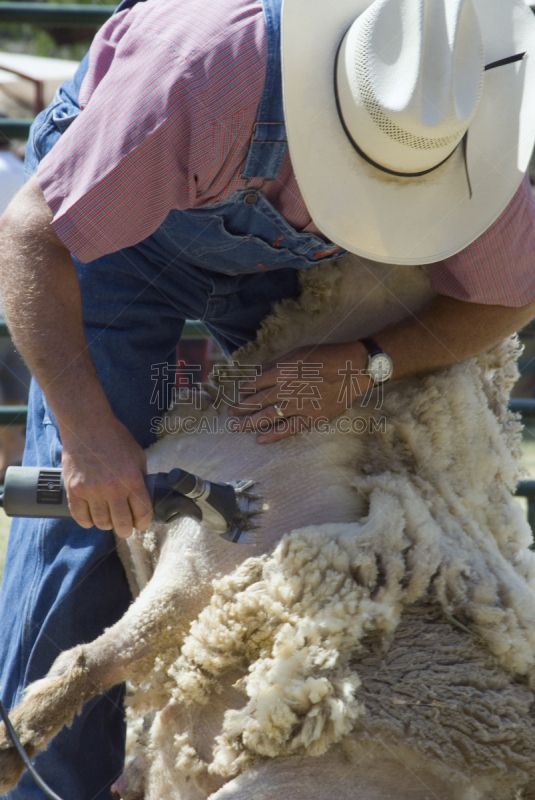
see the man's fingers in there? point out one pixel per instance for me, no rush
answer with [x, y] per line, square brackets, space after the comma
[122, 504]
[80, 512]
[283, 429]
[257, 403]
[100, 514]
[259, 421]
[141, 508]
[268, 378]
[269, 414]
[121, 516]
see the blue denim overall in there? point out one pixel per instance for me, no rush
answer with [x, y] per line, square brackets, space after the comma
[226, 265]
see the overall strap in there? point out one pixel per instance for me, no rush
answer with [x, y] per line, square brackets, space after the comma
[269, 144]
[127, 4]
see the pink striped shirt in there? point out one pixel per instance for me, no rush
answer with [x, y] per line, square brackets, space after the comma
[169, 104]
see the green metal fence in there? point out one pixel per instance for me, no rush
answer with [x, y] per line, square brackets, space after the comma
[15, 128]
[17, 415]
[46, 14]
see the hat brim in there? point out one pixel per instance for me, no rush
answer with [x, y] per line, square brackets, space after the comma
[406, 220]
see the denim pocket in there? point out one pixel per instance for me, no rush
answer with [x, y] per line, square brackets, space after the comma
[64, 115]
[47, 129]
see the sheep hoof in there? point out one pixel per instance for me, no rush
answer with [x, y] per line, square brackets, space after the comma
[122, 791]
[130, 785]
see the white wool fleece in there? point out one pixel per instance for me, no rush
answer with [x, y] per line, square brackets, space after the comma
[438, 531]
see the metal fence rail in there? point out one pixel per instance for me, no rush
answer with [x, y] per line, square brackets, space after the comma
[17, 415]
[92, 16]
[15, 128]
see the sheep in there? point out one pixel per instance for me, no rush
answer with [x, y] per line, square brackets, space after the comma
[376, 640]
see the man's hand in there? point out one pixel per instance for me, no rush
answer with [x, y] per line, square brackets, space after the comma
[103, 474]
[307, 384]
[103, 465]
[443, 333]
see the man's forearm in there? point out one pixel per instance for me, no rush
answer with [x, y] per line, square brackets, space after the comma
[41, 297]
[448, 331]
[103, 464]
[444, 333]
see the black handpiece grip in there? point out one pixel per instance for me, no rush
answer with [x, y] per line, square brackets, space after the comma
[167, 502]
[182, 481]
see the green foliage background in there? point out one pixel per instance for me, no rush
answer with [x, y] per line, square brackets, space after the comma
[24, 38]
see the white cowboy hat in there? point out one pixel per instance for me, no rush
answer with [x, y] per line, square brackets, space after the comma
[410, 123]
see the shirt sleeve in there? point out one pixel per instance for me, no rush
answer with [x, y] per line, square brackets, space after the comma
[163, 104]
[498, 268]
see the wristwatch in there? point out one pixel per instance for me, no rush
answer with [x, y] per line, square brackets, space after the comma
[380, 366]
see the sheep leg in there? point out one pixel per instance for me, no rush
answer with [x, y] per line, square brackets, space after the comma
[130, 785]
[153, 625]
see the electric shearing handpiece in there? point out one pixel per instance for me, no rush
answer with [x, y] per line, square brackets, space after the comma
[223, 508]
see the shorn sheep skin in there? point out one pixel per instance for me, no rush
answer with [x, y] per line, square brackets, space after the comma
[377, 640]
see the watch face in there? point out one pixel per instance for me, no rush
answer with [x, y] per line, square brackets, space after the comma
[380, 367]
